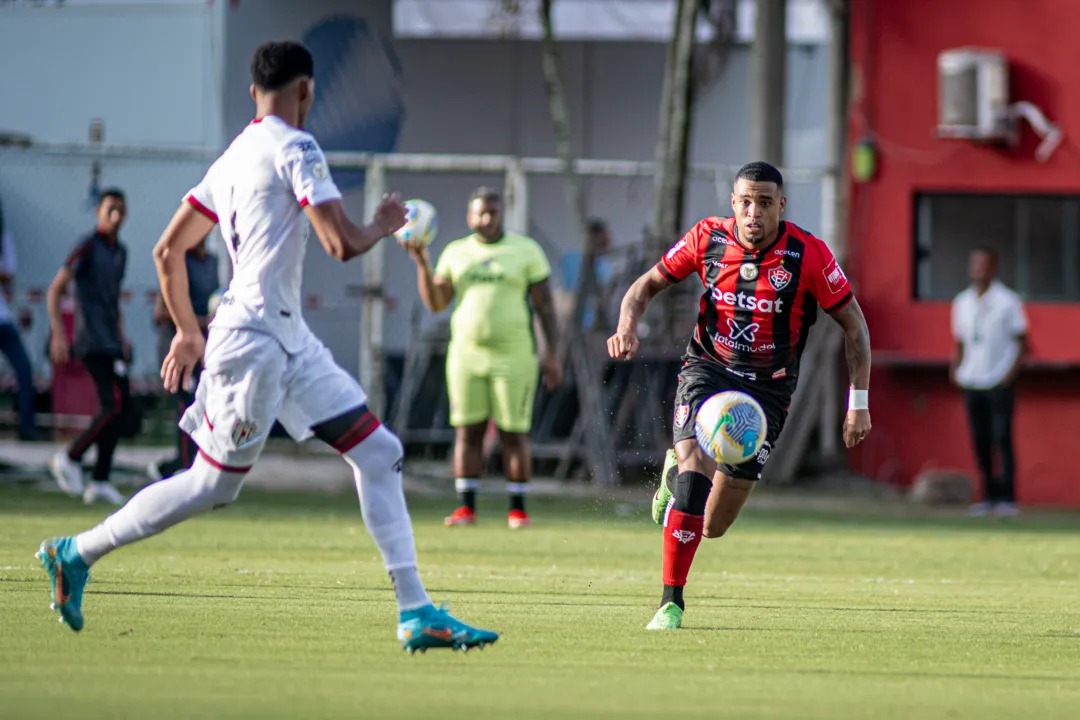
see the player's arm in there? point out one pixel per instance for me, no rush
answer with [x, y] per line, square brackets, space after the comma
[682, 260]
[856, 343]
[341, 238]
[124, 341]
[624, 343]
[544, 306]
[436, 290]
[188, 228]
[304, 167]
[830, 287]
[857, 351]
[161, 313]
[636, 300]
[58, 346]
[1019, 327]
[59, 353]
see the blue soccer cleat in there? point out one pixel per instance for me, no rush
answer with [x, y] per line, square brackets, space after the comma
[429, 627]
[68, 574]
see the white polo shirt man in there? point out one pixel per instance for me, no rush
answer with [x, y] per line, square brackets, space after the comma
[990, 327]
[990, 332]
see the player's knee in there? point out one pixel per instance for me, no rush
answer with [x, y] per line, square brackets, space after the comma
[472, 434]
[219, 485]
[714, 530]
[379, 454]
[691, 493]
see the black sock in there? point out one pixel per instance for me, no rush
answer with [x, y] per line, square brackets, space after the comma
[516, 490]
[673, 593]
[466, 491]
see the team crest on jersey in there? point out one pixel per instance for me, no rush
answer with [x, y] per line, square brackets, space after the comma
[748, 272]
[779, 278]
[682, 414]
[243, 431]
[319, 171]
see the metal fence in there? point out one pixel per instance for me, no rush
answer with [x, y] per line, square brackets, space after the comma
[363, 314]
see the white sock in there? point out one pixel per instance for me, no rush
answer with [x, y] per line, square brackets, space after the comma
[159, 506]
[376, 464]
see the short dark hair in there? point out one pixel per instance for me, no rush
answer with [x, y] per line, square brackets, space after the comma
[276, 64]
[596, 225]
[760, 172]
[488, 195]
[986, 250]
[112, 192]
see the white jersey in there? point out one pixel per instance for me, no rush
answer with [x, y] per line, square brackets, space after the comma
[257, 190]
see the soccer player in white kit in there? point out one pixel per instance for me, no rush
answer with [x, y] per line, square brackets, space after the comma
[262, 362]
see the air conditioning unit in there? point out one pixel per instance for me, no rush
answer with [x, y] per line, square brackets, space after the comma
[973, 93]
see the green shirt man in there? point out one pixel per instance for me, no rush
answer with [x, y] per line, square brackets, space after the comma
[491, 365]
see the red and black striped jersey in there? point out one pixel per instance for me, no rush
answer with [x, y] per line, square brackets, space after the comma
[758, 305]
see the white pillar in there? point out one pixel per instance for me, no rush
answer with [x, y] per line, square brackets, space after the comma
[371, 373]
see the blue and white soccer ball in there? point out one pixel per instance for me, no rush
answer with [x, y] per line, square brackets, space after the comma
[421, 223]
[731, 427]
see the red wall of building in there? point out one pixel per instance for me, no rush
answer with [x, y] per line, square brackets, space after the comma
[918, 418]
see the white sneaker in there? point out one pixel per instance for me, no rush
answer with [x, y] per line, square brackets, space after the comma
[103, 491]
[980, 509]
[67, 473]
[1006, 509]
[153, 471]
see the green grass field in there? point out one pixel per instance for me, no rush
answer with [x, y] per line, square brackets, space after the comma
[279, 607]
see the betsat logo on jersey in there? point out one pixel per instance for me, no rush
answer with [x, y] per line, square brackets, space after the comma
[742, 301]
[731, 427]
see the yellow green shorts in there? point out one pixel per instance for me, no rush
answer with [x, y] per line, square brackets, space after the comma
[483, 384]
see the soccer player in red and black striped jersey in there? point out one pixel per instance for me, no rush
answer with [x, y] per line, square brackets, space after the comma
[764, 281]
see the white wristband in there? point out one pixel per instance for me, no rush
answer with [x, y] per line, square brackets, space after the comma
[858, 399]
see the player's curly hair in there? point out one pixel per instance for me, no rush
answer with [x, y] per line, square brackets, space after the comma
[276, 64]
[760, 172]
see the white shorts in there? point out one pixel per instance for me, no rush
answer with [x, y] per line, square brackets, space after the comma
[248, 381]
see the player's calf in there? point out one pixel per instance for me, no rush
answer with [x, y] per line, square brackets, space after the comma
[725, 501]
[375, 454]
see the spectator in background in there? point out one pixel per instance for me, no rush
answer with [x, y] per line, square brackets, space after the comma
[597, 244]
[10, 341]
[990, 329]
[491, 362]
[97, 266]
[202, 270]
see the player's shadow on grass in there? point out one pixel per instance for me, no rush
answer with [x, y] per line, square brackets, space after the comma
[848, 672]
[813, 630]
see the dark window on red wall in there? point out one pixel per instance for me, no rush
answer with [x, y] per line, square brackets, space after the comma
[1037, 239]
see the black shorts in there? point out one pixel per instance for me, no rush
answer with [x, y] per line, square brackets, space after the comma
[701, 379]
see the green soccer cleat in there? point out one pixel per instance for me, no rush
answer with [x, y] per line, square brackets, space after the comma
[669, 617]
[68, 574]
[666, 490]
[429, 627]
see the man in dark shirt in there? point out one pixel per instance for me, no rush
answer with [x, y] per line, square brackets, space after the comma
[11, 344]
[97, 266]
[202, 270]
